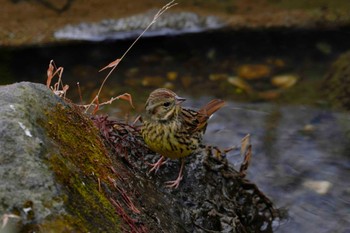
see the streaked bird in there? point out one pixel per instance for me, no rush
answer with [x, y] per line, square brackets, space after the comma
[172, 131]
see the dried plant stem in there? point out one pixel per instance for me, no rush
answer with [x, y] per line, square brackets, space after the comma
[115, 63]
[79, 91]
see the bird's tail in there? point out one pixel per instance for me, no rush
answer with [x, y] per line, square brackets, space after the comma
[205, 112]
[211, 107]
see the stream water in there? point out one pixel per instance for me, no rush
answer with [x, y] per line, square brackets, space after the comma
[300, 146]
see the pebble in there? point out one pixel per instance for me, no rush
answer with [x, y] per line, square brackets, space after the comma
[218, 77]
[284, 81]
[240, 83]
[172, 75]
[318, 186]
[324, 47]
[308, 128]
[169, 85]
[254, 71]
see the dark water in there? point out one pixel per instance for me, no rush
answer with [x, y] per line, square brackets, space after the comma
[194, 58]
[301, 150]
[300, 160]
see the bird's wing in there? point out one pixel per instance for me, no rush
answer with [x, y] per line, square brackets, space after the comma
[197, 121]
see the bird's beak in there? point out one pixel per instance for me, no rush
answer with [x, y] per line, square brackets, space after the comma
[179, 99]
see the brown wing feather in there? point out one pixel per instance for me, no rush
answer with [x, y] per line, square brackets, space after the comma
[211, 107]
[205, 112]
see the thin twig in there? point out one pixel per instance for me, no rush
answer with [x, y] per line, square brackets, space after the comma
[117, 61]
[79, 91]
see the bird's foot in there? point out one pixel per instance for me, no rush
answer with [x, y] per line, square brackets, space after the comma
[174, 183]
[155, 166]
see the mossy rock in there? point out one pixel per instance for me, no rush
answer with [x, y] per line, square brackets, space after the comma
[59, 175]
[52, 165]
[337, 82]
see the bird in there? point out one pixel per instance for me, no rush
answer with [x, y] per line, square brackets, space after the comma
[173, 131]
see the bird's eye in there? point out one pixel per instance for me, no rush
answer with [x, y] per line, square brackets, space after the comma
[166, 104]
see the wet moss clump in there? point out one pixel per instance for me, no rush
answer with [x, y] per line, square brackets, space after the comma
[82, 166]
[336, 83]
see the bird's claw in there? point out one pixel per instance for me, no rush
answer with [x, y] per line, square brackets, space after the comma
[174, 183]
[155, 166]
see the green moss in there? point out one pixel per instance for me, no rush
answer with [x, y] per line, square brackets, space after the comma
[80, 164]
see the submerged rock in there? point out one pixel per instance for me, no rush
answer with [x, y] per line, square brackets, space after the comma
[253, 71]
[284, 81]
[169, 23]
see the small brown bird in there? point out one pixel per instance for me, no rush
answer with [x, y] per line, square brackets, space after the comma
[172, 131]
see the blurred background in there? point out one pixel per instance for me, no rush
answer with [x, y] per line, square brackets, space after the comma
[281, 65]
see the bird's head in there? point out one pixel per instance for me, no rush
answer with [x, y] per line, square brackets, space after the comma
[163, 105]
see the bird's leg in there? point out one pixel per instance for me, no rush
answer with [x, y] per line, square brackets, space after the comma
[175, 183]
[155, 166]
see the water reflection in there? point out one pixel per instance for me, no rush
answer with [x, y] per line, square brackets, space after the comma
[300, 153]
[300, 160]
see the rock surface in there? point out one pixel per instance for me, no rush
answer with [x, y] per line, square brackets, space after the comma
[27, 185]
[35, 195]
[336, 86]
[22, 24]
[57, 175]
[131, 27]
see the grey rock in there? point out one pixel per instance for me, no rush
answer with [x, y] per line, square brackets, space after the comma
[84, 190]
[27, 185]
[130, 27]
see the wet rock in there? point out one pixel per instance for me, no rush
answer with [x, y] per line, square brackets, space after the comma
[263, 81]
[172, 75]
[169, 23]
[319, 186]
[253, 71]
[308, 129]
[324, 47]
[240, 83]
[236, 15]
[169, 85]
[284, 80]
[336, 85]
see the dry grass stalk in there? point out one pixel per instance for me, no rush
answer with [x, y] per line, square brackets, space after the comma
[115, 63]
